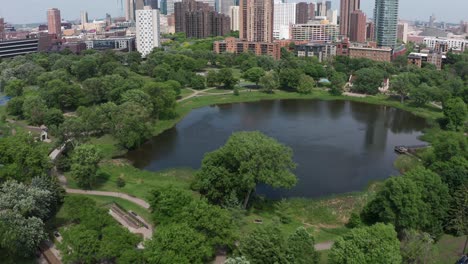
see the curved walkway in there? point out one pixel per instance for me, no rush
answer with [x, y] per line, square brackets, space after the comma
[124, 196]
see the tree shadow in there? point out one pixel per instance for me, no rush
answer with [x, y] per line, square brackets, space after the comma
[101, 179]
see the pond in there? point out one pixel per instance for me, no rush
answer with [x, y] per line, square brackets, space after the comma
[339, 146]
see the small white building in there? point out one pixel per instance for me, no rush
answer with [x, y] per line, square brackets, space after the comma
[147, 30]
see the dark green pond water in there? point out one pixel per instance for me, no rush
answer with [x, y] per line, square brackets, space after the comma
[339, 146]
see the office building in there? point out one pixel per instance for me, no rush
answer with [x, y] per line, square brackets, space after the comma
[357, 26]
[386, 22]
[234, 14]
[283, 17]
[54, 22]
[315, 32]
[256, 20]
[199, 20]
[346, 8]
[402, 33]
[321, 8]
[147, 30]
[231, 45]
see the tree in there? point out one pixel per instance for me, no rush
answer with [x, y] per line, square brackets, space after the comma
[360, 246]
[164, 99]
[61, 95]
[368, 81]
[247, 159]
[421, 95]
[212, 78]
[457, 221]
[418, 200]
[338, 81]
[53, 117]
[264, 245]
[15, 106]
[95, 91]
[269, 82]
[132, 126]
[161, 72]
[254, 74]
[301, 248]
[15, 88]
[403, 83]
[306, 84]
[289, 78]
[79, 245]
[34, 110]
[22, 158]
[198, 82]
[448, 145]
[177, 243]
[114, 241]
[85, 68]
[417, 247]
[85, 160]
[455, 111]
[226, 77]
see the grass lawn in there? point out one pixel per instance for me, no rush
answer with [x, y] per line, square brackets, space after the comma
[139, 183]
[449, 249]
[185, 92]
[107, 145]
[324, 256]
[404, 163]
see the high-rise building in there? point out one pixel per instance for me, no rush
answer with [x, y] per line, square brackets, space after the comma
[256, 20]
[283, 17]
[357, 26]
[2, 28]
[332, 16]
[386, 22]
[84, 18]
[147, 30]
[432, 19]
[224, 6]
[139, 4]
[302, 13]
[130, 10]
[402, 33]
[152, 3]
[322, 8]
[54, 22]
[234, 14]
[370, 31]
[170, 6]
[108, 19]
[164, 7]
[346, 8]
[199, 20]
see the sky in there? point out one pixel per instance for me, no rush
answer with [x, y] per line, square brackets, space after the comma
[34, 11]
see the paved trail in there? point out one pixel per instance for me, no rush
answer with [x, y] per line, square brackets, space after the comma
[124, 196]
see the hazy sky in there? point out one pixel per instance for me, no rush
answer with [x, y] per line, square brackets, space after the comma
[34, 11]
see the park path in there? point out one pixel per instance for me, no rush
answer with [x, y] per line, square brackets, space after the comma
[324, 246]
[137, 201]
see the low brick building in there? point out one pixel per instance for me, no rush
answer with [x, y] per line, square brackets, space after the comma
[375, 54]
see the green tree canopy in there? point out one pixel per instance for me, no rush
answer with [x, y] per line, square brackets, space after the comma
[85, 160]
[368, 81]
[247, 159]
[254, 74]
[374, 244]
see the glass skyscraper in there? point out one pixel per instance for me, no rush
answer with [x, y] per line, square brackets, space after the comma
[386, 22]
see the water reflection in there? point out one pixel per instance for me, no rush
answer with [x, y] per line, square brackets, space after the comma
[339, 146]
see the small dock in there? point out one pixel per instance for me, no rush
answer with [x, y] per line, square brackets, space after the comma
[409, 149]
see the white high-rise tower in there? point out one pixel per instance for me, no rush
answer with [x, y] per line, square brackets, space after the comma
[147, 30]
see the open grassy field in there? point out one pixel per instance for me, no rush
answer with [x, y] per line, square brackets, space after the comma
[138, 183]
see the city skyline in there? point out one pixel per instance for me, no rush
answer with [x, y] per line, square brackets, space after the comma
[14, 11]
